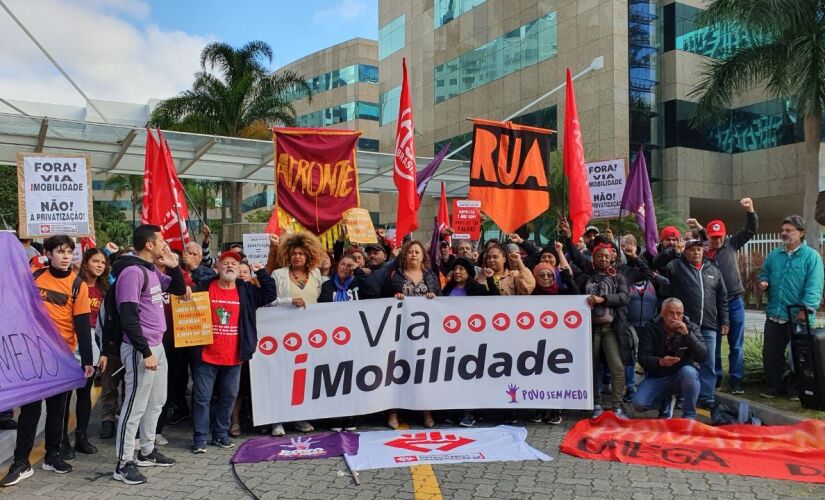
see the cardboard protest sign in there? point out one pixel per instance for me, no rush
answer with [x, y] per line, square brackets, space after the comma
[354, 358]
[256, 248]
[54, 195]
[359, 226]
[192, 320]
[466, 223]
[606, 179]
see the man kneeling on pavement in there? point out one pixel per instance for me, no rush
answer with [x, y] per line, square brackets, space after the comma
[669, 349]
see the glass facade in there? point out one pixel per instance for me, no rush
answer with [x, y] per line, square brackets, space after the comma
[357, 73]
[391, 38]
[339, 114]
[750, 128]
[643, 52]
[447, 10]
[389, 102]
[681, 32]
[118, 204]
[368, 144]
[543, 118]
[524, 46]
[260, 200]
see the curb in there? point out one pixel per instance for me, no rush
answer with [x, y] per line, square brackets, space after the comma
[768, 414]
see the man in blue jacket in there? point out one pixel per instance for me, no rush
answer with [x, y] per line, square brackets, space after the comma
[792, 274]
[235, 338]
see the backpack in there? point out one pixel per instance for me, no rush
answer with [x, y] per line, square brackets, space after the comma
[108, 327]
[75, 284]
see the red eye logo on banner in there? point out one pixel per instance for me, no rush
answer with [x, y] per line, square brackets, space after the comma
[501, 322]
[317, 338]
[292, 342]
[476, 322]
[341, 335]
[451, 324]
[572, 319]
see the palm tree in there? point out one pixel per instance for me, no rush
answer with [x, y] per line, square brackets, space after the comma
[121, 184]
[203, 194]
[787, 55]
[234, 95]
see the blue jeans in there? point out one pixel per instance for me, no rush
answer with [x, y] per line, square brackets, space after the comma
[707, 370]
[205, 377]
[736, 341]
[654, 391]
[630, 373]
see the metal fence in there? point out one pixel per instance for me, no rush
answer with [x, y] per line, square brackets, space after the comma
[762, 244]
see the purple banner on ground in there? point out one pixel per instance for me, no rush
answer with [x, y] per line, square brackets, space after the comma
[323, 445]
[35, 361]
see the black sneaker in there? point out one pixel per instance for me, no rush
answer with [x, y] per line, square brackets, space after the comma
[628, 395]
[17, 472]
[350, 425]
[55, 463]
[177, 416]
[82, 444]
[154, 459]
[107, 430]
[199, 449]
[129, 474]
[769, 393]
[736, 388]
[224, 443]
[554, 417]
[66, 450]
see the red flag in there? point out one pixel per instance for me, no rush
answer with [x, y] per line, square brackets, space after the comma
[405, 171]
[163, 202]
[87, 242]
[443, 214]
[273, 227]
[580, 206]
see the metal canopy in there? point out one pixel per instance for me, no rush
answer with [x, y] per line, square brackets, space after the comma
[120, 149]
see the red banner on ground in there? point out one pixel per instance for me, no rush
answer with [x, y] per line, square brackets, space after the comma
[795, 452]
[316, 175]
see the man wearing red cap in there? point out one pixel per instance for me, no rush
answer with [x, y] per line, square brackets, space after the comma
[670, 247]
[722, 253]
[235, 338]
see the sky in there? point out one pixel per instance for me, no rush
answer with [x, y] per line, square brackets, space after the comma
[134, 50]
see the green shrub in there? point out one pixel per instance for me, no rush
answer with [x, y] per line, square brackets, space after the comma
[752, 351]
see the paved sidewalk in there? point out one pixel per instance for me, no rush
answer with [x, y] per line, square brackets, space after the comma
[210, 476]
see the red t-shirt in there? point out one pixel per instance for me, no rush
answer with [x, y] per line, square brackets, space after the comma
[226, 310]
[95, 301]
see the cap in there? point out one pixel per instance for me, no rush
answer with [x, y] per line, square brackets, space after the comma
[796, 221]
[693, 243]
[669, 232]
[716, 228]
[375, 247]
[230, 254]
[591, 229]
[467, 264]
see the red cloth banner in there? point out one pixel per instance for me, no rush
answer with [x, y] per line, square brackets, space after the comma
[316, 175]
[795, 452]
[163, 197]
[466, 219]
[580, 205]
[404, 171]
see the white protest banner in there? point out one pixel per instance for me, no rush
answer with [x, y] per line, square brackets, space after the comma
[384, 449]
[256, 247]
[355, 358]
[607, 179]
[54, 195]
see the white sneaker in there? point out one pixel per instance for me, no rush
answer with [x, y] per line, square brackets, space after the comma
[278, 430]
[160, 440]
[304, 426]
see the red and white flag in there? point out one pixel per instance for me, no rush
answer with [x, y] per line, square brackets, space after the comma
[163, 197]
[404, 173]
[444, 215]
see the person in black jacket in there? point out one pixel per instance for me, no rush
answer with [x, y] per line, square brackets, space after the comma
[669, 348]
[349, 282]
[235, 338]
[463, 280]
[700, 287]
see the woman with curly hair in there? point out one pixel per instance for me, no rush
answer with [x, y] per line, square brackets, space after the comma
[412, 277]
[298, 284]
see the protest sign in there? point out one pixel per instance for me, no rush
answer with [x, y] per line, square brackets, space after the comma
[354, 358]
[384, 449]
[35, 361]
[466, 223]
[606, 179]
[54, 195]
[256, 248]
[359, 226]
[192, 320]
[321, 445]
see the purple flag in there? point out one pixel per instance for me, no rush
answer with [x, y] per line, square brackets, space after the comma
[35, 361]
[322, 445]
[428, 172]
[638, 199]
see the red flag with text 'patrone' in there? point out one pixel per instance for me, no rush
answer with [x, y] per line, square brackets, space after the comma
[404, 172]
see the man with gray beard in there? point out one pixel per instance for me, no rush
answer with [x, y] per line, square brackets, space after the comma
[235, 338]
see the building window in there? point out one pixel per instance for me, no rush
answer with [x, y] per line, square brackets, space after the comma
[368, 144]
[356, 73]
[524, 46]
[118, 204]
[349, 111]
[389, 102]
[391, 37]
[448, 10]
[260, 200]
[643, 62]
[750, 128]
[681, 32]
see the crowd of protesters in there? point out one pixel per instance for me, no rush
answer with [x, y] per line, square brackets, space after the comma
[666, 309]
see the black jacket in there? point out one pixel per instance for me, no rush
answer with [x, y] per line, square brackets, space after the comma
[251, 298]
[726, 258]
[380, 278]
[362, 287]
[653, 346]
[474, 288]
[703, 293]
[397, 282]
